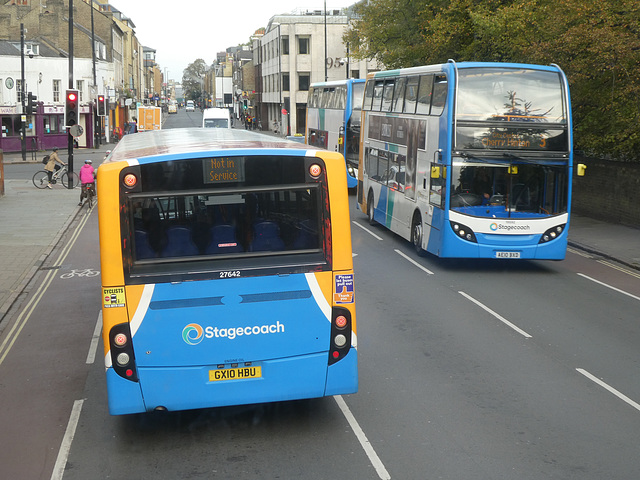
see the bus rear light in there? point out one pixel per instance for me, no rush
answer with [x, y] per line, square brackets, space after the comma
[130, 180]
[123, 359]
[315, 170]
[121, 350]
[340, 340]
[552, 233]
[340, 334]
[120, 339]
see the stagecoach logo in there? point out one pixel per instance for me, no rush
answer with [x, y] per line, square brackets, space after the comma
[509, 228]
[193, 334]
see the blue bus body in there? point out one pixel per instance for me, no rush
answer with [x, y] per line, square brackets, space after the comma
[227, 271]
[333, 120]
[481, 164]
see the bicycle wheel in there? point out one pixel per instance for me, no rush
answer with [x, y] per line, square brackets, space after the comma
[65, 179]
[41, 179]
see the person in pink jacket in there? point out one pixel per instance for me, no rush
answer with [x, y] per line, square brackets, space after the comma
[87, 175]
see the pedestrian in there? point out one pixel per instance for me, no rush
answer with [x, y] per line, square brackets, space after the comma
[87, 176]
[52, 164]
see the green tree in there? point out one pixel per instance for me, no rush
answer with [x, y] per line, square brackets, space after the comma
[596, 43]
[192, 78]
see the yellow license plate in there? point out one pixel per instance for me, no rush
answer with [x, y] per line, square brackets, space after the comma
[241, 373]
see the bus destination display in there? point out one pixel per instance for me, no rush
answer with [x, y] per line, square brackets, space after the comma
[223, 169]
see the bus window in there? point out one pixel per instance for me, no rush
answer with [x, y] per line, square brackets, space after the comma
[368, 96]
[357, 97]
[377, 95]
[341, 98]
[411, 95]
[387, 95]
[398, 94]
[439, 95]
[424, 94]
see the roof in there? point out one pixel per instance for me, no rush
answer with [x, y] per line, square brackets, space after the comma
[195, 142]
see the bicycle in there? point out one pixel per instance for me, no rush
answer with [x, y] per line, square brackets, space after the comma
[41, 178]
[89, 194]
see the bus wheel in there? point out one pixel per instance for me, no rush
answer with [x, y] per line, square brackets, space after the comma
[370, 209]
[416, 234]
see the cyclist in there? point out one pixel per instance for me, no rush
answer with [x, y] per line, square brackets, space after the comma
[87, 176]
[52, 166]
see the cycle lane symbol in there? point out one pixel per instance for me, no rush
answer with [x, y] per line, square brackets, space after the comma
[87, 272]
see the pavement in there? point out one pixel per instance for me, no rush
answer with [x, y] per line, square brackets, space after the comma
[32, 221]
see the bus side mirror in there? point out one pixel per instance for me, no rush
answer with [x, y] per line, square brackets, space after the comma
[582, 168]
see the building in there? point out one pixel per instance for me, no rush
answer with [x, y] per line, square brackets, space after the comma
[295, 51]
[107, 60]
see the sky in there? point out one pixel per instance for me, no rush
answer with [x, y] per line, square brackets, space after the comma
[205, 27]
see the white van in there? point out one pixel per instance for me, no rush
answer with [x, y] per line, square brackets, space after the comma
[190, 106]
[216, 118]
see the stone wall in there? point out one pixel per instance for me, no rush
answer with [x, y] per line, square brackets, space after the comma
[609, 191]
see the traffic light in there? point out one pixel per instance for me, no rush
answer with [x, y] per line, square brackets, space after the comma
[102, 102]
[71, 109]
[31, 103]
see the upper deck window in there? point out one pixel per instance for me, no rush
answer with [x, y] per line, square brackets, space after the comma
[510, 95]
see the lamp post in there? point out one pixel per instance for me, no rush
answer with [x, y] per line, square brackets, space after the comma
[23, 93]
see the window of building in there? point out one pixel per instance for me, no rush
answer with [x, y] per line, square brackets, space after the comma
[56, 90]
[303, 45]
[52, 124]
[304, 81]
[80, 88]
[285, 82]
[285, 45]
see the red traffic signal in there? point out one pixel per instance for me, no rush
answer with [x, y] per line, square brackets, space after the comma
[71, 110]
[102, 108]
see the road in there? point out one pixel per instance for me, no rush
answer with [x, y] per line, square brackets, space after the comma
[468, 369]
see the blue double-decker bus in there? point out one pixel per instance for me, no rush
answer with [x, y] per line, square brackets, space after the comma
[470, 159]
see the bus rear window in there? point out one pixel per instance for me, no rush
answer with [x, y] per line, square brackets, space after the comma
[238, 223]
[200, 225]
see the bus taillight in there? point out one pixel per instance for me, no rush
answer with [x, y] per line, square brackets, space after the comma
[340, 334]
[315, 170]
[121, 349]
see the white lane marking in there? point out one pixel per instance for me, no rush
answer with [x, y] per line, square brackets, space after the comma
[609, 388]
[411, 260]
[67, 440]
[609, 286]
[366, 230]
[93, 347]
[499, 317]
[620, 269]
[382, 472]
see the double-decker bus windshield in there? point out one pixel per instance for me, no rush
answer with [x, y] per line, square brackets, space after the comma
[530, 101]
[508, 191]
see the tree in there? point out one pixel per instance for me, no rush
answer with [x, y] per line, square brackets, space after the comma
[596, 43]
[192, 78]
